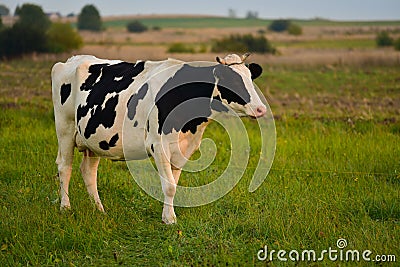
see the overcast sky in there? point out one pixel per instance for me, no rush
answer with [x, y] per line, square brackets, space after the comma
[330, 9]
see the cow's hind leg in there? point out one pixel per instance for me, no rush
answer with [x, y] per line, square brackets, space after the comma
[89, 166]
[64, 161]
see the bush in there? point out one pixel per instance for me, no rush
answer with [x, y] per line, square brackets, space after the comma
[383, 39]
[19, 40]
[180, 48]
[89, 19]
[279, 25]
[27, 35]
[295, 29]
[136, 26]
[243, 43]
[397, 44]
[63, 38]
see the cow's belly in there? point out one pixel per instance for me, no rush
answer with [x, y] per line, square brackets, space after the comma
[115, 144]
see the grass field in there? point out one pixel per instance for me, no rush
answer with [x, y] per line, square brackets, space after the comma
[225, 22]
[336, 174]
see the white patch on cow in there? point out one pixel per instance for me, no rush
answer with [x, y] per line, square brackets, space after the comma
[117, 79]
[108, 96]
[99, 78]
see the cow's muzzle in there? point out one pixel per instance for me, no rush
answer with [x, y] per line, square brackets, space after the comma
[257, 111]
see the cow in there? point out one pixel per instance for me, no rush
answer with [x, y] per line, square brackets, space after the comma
[97, 101]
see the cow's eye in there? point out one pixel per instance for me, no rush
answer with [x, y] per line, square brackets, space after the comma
[247, 65]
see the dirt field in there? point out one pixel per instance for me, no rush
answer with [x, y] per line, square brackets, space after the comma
[318, 45]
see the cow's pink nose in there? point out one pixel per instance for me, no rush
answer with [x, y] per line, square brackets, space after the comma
[260, 111]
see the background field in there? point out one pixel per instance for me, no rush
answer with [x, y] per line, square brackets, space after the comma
[336, 101]
[323, 42]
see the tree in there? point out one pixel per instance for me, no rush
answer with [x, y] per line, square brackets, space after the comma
[279, 25]
[4, 11]
[136, 26]
[252, 15]
[32, 16]
[63, 38]
[17, 10]
[89, 19]
[232, 13]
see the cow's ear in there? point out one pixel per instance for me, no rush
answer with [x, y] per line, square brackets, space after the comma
[220, 60]
[255, 70]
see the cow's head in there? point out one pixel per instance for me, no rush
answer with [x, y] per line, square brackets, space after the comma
[235, 86]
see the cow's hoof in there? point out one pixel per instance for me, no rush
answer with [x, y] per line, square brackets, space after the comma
[168, 215]
[64, 208]
[171, 220]
[100, 207]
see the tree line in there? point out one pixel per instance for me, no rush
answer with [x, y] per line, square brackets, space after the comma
[34, 32]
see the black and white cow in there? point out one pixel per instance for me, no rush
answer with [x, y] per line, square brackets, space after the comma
[98, 101]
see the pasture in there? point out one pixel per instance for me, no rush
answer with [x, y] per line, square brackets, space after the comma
[336, 174]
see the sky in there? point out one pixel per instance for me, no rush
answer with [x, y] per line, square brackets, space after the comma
[303, 9]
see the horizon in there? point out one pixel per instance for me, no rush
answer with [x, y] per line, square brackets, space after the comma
[340, 10]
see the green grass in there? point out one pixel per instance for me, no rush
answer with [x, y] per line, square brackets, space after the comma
[224, 22]
[336, 174]
[179, 22]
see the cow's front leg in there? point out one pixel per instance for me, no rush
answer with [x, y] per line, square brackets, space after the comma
[168, 185]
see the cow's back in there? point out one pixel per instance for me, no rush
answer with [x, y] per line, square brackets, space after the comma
[98, 97]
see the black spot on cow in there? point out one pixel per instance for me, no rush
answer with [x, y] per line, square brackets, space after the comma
[102, 116]
[134, 101]
[193, 85]
[217, 105]
[152, 147]
[135, 124]
[255, 70]
[148, 126]
[231, 85]
[105, 79]
[95, 72]
[106, 145]
[65, 92]
[185, 100]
